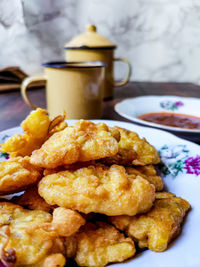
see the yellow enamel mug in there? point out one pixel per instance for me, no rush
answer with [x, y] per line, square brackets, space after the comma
[94, 47]
[76, 87]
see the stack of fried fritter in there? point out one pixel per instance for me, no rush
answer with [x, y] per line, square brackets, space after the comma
[91, 193]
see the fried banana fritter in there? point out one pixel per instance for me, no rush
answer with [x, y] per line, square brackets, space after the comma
[70, 246]
[149, 173]
[57, 124]
[21, 234]
[160, 195]
[159, 226]
[84, 141]
[54, 260]
[100, 189]
[37, 128]
[66, 221]
[74, 166]
[133, 150]
[102, 244]
[34, 237]
[33, 201]
[16, 174]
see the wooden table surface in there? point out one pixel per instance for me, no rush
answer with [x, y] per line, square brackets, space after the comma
[13, 109]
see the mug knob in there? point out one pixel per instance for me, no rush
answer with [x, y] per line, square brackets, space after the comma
[91, 28]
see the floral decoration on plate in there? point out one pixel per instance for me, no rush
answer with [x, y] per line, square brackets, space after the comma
[4, 156]
[192, 165]
[170, 105]
[176, 159]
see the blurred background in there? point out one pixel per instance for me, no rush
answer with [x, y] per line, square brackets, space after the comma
[161, 38]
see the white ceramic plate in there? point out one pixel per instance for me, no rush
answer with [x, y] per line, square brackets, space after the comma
[182, 159]
[131, 108]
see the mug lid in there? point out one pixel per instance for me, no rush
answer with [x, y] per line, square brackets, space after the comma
[90, 39]
[73, 65]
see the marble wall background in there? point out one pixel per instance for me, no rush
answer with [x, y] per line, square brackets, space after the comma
[160, 37]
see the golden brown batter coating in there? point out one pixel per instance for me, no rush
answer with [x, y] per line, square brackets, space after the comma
[133, 150]
[98, 245]
[33, 201]
[54, 260]
[17, 174]
[35, 237]
[84, 141]
[37, 128]
[148, 172]
[100, 189]
[160, 195]
[66, 222]
[159, 226]
[20, 232]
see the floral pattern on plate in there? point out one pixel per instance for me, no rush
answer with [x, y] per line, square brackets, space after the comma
[170, 105]
[176, 159]
[4, 156]
[192, 165]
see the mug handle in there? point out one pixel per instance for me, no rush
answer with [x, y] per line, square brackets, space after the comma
[126, 79]
[26, 82]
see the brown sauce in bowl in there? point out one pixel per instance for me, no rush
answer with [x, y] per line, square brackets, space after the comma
[172, 119]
